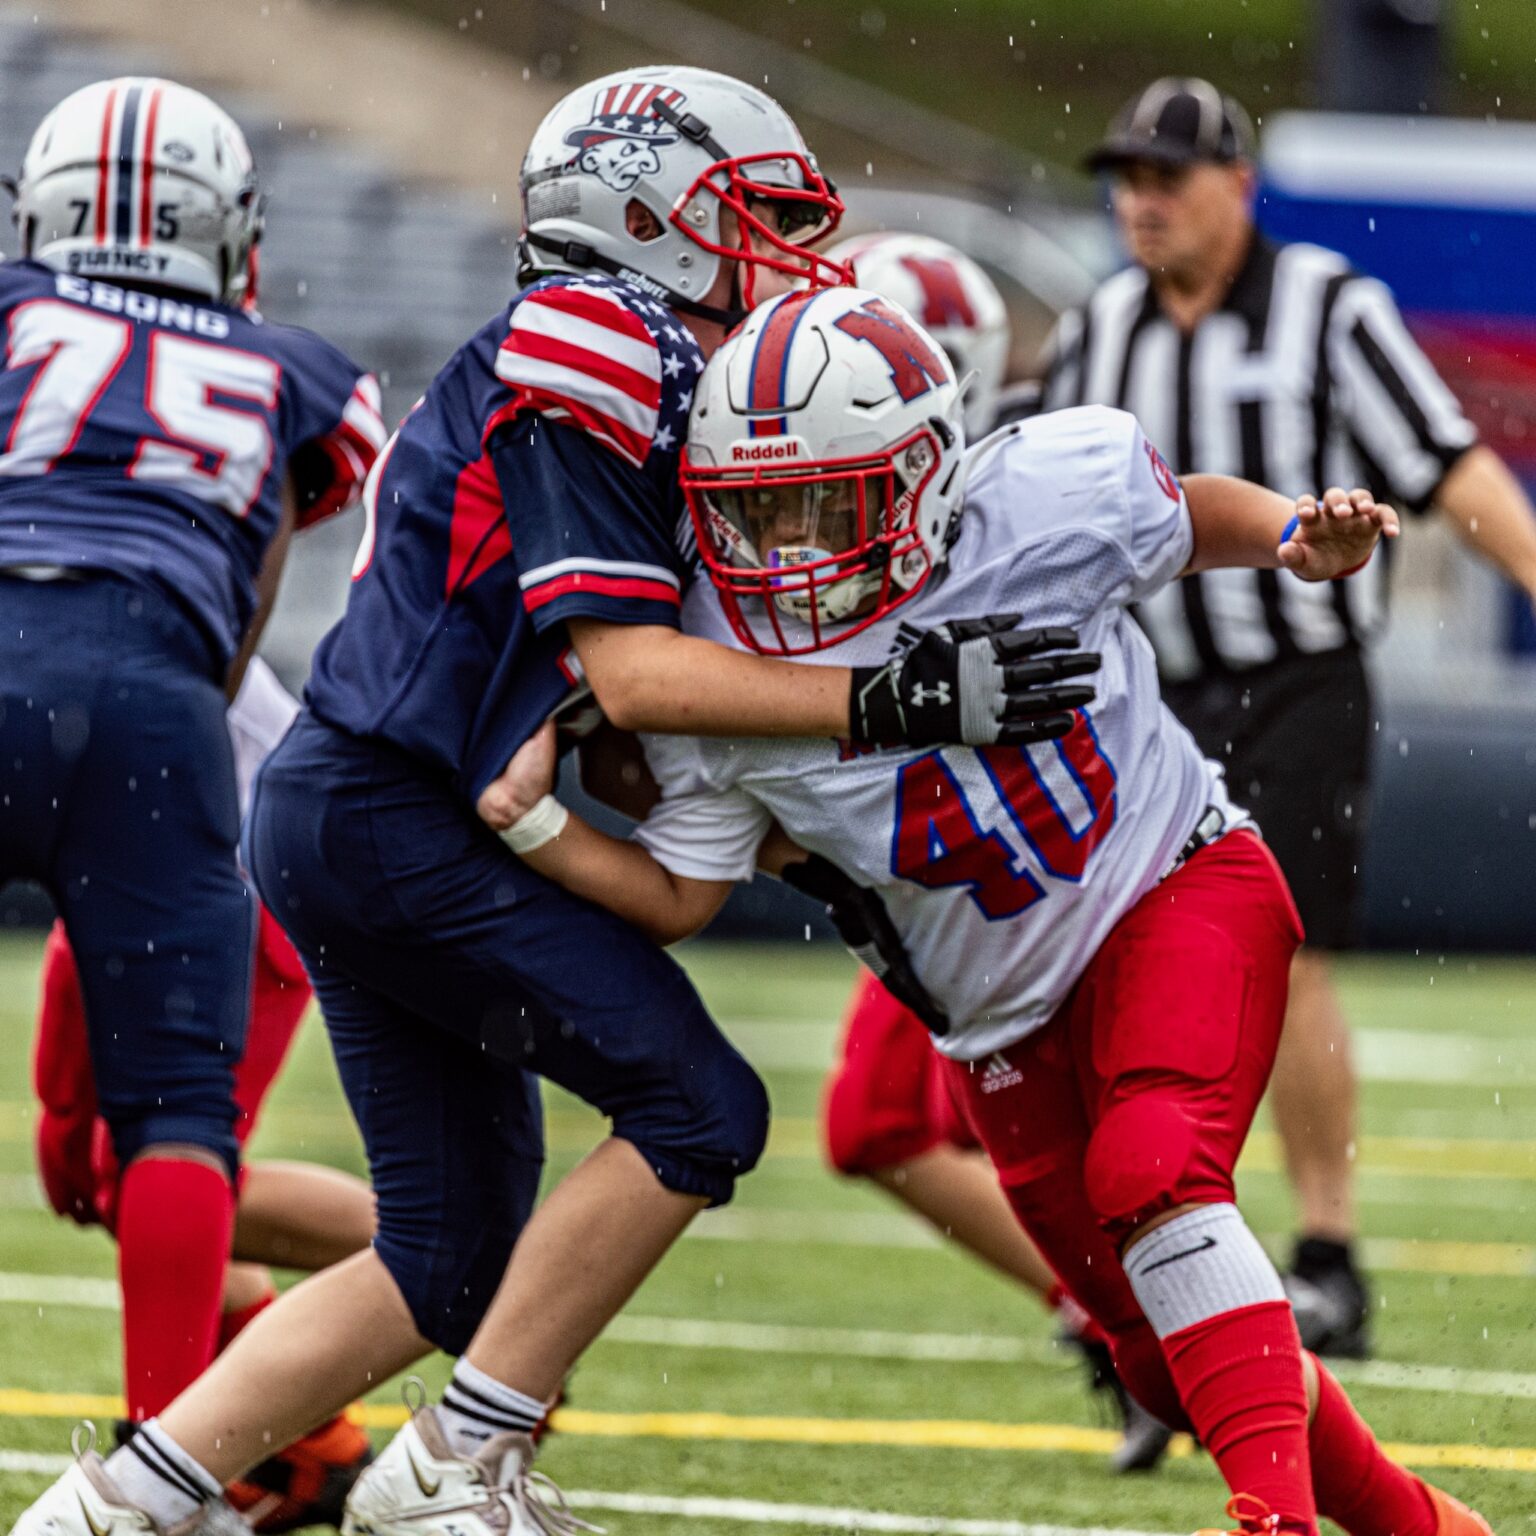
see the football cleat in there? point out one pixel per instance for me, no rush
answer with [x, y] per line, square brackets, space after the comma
[419, 1486]
[1452, 1517]
[86, 1502]
[1143, 1439]
[308, 1483]
[1332, 1315]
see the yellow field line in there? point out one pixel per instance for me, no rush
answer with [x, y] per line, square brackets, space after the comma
[956, 1434]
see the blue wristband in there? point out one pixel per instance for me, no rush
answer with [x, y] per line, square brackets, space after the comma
[1290, 530]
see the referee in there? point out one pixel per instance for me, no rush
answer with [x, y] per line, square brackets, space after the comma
[1281, 364]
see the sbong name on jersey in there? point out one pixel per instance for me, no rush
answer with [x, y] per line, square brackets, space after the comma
[138, 305]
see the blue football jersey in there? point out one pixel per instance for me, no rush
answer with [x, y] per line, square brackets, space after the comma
[151, 437]
[536, 481]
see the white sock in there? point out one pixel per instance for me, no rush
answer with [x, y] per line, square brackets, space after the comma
[154, 1474]
[1198, 1266]
[476, 1406]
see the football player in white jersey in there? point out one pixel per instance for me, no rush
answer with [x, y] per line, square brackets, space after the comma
[1104, 936]
[887, 1114]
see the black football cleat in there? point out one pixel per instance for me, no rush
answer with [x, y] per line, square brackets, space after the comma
[1327, 1294]
[1143, 1439]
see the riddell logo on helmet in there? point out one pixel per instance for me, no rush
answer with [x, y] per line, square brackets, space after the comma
[768, 450]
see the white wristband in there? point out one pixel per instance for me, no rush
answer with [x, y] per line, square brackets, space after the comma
[545, 822]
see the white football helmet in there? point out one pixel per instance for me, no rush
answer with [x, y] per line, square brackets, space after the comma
[823, 467]
[957, 303]
[683, 145]
[141, 180]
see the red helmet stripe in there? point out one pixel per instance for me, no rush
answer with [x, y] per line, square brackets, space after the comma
[770, 363]
[945, 301]
[104, 168]
[147, 165]
[630, 95]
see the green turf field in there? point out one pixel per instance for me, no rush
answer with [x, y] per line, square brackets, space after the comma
[843, 1361]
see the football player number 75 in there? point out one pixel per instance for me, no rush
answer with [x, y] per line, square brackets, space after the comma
[1058, 799]
[207, 402]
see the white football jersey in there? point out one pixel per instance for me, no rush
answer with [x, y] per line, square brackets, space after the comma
[1004, 868]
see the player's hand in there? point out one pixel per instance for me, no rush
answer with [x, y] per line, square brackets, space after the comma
[522, 783]
[1335, 536]
[864, 925]
[973, 682]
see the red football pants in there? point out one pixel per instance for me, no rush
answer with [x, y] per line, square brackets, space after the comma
[889, 1098]
[1138, 1095]
[74, 1150]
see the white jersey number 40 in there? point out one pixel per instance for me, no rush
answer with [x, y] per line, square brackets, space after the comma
[1060, 804]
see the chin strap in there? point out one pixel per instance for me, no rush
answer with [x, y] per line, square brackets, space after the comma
[578, 254]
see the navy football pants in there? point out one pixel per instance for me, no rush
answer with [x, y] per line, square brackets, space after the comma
[445, 966]
[117, 793]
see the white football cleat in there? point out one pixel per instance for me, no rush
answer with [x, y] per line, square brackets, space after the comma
[86, 1502]
[418, 1486]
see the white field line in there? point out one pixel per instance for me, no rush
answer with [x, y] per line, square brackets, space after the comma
[864, 1343]
[894, 1229]
[851, 1343]
[1381, 1055]
[824, 1517]
[744, 1511]
[876, 1344]
[34, 1463]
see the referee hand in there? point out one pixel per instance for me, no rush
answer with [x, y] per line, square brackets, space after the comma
[1335, 536]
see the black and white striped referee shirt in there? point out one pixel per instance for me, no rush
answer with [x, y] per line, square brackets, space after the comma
[1304, 378]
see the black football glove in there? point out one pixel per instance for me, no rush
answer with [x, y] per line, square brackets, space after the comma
[865, 926]
[973, 682]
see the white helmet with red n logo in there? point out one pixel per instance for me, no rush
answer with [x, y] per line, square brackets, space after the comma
[633, 175]
[823, 467]
[957, 302]
[142, 181]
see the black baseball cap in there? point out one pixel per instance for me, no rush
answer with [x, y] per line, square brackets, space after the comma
[1176, 121]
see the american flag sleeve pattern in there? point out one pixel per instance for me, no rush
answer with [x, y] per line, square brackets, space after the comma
[614, 372]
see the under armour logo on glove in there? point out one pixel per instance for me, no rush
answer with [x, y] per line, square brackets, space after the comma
[973, 682]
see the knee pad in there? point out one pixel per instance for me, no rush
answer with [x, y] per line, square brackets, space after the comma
[449, 1256]
[1137, 1161]
[1143, 1368]
[866, 1130]
[448, 1294]
[886, 1102]
[722, 1137]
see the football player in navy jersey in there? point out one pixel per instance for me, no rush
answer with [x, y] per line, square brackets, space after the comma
[527, 544]
[160, 443]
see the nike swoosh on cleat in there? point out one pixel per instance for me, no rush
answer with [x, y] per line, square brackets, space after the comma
[90, 1519]
[1173, 1258]
[429, 1490]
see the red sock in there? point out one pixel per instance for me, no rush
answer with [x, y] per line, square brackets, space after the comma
[175, 1218]
[1357, 1487]
[1240, 1377]
[235, 1322]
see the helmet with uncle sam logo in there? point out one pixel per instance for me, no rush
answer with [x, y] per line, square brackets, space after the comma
[823, 467]
[660, 175]
[142, 181]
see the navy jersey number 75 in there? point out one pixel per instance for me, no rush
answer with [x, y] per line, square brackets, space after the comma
[150, 437]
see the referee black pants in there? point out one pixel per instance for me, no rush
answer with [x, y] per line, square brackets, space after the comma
[1295, 739]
